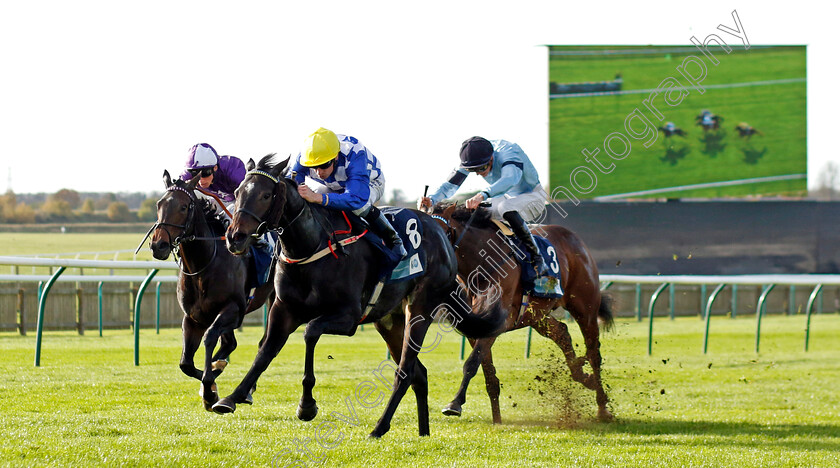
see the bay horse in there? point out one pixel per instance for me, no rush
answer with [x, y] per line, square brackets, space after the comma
[213, 285]
[480, 248]
[746, 130]
[329, 290]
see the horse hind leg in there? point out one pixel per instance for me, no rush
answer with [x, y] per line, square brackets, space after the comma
[392, 331]
[558, 332]
[591, 335]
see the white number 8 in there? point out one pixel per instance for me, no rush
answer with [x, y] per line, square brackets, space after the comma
[411, 231]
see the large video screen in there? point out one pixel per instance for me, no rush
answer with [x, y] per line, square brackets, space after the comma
[710, 121]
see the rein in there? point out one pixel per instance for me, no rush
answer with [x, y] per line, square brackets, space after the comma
[265, 225]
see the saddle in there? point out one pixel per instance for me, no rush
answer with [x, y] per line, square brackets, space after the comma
[549, 285]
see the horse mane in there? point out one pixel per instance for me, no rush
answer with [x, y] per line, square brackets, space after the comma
[483, 216]
[215, 220]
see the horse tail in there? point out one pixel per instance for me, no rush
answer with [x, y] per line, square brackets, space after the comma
[605, 313]
[490, 322]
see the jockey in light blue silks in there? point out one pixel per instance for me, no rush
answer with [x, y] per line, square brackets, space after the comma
[348, 177]
[221, 175]
[515, 192]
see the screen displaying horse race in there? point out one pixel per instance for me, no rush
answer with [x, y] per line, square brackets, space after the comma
[713, 120]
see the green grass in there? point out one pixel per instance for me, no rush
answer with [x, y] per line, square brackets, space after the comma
[779, 111]
[89, 406]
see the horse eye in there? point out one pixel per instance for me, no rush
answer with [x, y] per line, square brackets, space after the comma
[266, 196]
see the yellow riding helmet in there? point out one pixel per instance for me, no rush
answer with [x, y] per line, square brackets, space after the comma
[320, 147]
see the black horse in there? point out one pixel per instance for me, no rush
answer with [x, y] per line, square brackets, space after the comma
[708, 121]
[330, 292]
[213, 285]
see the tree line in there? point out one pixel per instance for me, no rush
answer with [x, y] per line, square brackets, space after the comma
[70, 206]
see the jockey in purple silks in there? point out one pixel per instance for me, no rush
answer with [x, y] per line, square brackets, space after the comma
[221, 175]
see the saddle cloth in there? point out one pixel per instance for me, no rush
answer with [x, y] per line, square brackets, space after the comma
[410, 230]
[549, 285]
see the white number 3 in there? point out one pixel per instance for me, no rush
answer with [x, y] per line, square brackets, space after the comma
[555, 265]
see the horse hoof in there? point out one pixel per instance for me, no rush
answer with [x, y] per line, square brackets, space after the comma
[604, 415]
[224, 406]
[378, 432]
[219, 365]
[307, 413]
[452, 409]
[249, 400]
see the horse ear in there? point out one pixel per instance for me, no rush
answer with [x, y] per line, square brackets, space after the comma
[167, 180]
[193, 182]
[279, 168]
[447, 213]
[250, 165]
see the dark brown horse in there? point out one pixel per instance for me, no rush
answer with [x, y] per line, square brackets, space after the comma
[746, 130]
[331, 292]
[212, 285]
[483, 250]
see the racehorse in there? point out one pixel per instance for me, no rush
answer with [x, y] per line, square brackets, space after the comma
[708, 121]
[745, 130]
[476, 235]
[669, 129]
[329, 290]
[213, 284]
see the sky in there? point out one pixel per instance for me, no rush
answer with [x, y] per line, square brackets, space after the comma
[103, 96]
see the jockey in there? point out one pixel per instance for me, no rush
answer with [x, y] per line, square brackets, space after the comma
[349, 178]
[515, 192]
[221, 175]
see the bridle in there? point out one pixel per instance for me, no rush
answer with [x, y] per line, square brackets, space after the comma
[273, 212]
[187, 234]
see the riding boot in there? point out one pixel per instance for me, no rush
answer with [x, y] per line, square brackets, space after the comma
[383, 229]
[517, 224]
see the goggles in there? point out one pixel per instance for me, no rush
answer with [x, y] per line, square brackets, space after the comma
[479, 168]
[205, 172]
[326, 165]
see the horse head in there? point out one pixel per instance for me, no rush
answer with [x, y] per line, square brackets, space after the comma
[175, 212]
[260, 200]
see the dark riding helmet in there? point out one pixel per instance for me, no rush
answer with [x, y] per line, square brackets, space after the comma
[475, 152]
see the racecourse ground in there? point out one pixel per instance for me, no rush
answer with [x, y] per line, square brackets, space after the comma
[88, 405]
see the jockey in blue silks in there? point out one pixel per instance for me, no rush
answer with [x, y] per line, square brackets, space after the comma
[515, 192]
[348, 177]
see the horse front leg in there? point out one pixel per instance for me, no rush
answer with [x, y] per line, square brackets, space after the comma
[491, 383]
[280, 325]
[470, 368]
[342, 323]
[307, 408]
[192, 332]
[220, 359]
[224, 322]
